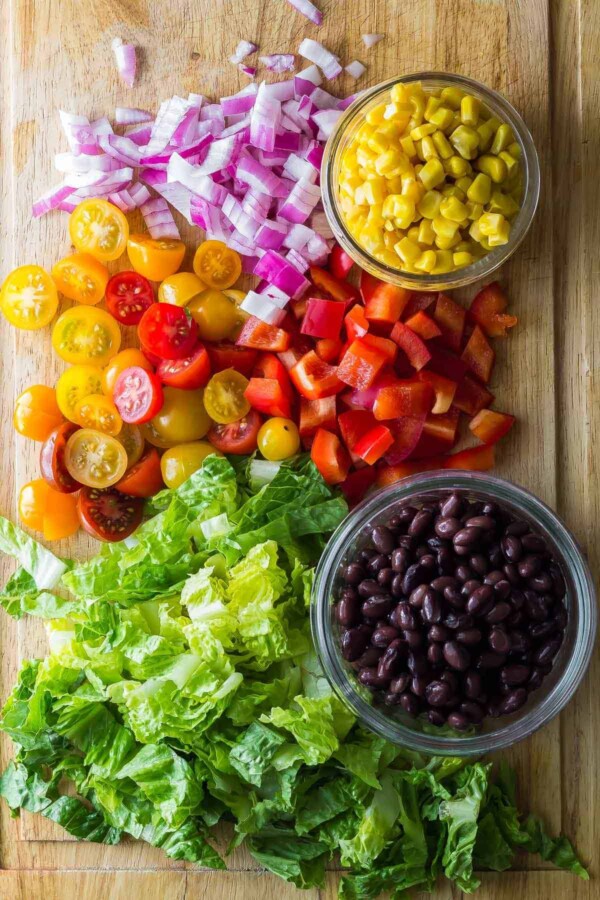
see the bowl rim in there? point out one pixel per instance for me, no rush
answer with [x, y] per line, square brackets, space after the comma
[513, 728]
[492, 260]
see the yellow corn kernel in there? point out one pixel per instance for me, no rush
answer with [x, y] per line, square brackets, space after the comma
[442, 145]
[375, 115]
[444, 227]
[426, 233]
[515, 150]
[462, 258]
[463, 183]
[347, 204]
[394, 185]
[426, 262]
[512, 164]
[491, 223]
[414, 190]
[447, 243]
[492, 166]
[417, 134]
[378, 143]
[431, 174]
[390, 238]
[474, 210]
[452, 208]
[349, 185]
[413, 233]
[501, 236]
[397, 117]
[363, 173]
[399, 94]
[503, 137]
[359, 195]
[503, 203]
[408, 251]
[451, 190]
[452, 97]
[428, 148]
[442, 118]
[481, 189]
[457, 166]
[418, 103]
[391, 130]
[486, 136]
[494, 123]
[408, 145]
[400, 208]
[392, 162]
[388, 226]
[464, 247]
[371, 239]
[443, 262]
[356, 226]
[432, 104]
[364, 157]
[388, 257]
[429, 205]
[469, 110]
[374, 216]
[364, 133]
[466, 141]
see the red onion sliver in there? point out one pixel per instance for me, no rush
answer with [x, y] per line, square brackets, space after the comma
[278, 271]
[123, 149]
[298, 237]
[298, 261]
[370, 40]
[263, 308]
[250, 71]
[278, 62]
[270, 235]
[326, 120]
[139, 194]
[308, 9]
[158, 219]
[306, 81]
[69, 163]
[241, 102]
[123, 200]
[127, 115]
[316, 53]
[126, 61]
[243, 49]
[355, 69]
[52, 199]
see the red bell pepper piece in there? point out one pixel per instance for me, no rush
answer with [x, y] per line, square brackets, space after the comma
[423, 325]
[392, 474]
[353, 424]
[323, 318]
[479, 355]
[260, 336]
[386, 303]
[406, 398]
[475, 459]
[267, 396]
[298, 308]
[384, 345]
[337, 290]
[489, 426]
[361, 363]
[316, 414]
[329, 456]
[226, 355]
[374, 444]
[290, 357]
[416, 350]
[365, 398]
[443, 428]
[329, 349]
[447, 364]
[314, 378]
[356, 485]
[268, 365]
[420, 301]
[471, 396]
[340, 263]
[487, 309]
[407, 432]
[444, 388]
[368, 283]
[356, 322]
[451, 319]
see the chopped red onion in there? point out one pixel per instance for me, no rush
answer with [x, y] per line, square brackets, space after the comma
[250, 71]
[70, 163]
[298, 261]
[121, 148]
[296, 168]
[244, 224]
[355, 69]
[257, 176]
[326, 120]
[178, 196]
[317, 250]
[169, 116]
[256, 205]
[279, 90]
[126, 115]
[308, 9]
[321, 99]
[370, 40]
[140, 136]
[278, 271]
[243, 49]
[314, 155]
[348, 101]
[263, 308]
[316, 53]
[265, 119]
[78, 132]
[126, 61]
[196, 100]
[275, 294]
[288, 140]
[123, 200]
[241, 102]
[301, 201]
[52, 199]
[306, 81]
[298, 237]
[270, 235]
[159, 221]
[139, 194]
[278, 62]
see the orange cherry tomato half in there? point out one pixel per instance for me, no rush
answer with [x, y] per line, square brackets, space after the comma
[107, 514]
[128, 296]
[216, 265]
[125, 359]
[188, 374]
[144, 479]
[99, 228]
[81, 277]
[138, 395]
[52, 460]
[155, 259]
[239, 437]
[99, 412]
[36, 412]
[48, 511]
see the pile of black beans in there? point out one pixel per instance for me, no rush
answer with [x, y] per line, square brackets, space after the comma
[454, 610]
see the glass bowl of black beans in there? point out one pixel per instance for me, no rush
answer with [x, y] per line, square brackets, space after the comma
[454, 613]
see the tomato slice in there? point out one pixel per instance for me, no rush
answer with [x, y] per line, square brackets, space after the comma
[123, 360]
[48, 511]
[216, 265]
[327, 284]
[238, 438]
[155, 258]
[138, 395]
[181, 419]
[224, 397]
[99, 412]
[82, 278]
[144, 479]
[179, 289]
[132, 439]
[168, 331]
[95, 459]
[86, 334]
[37, 412]
[99, 228]
[74, 384]
[314, 378]
[188, 374]
[226, 355]
[340, 263]
[52, 460]
[108, 514]
[128, 296]
[29, 298]
[330, 457]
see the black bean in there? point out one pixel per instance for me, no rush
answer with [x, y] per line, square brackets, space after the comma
[400, 559]
[420, 523]
[499, 613]
[515, 674]
[456, 655]
[469, 586]
[419, 684]
[473, 685]
[409, 704]
[348, 610]
[454, 597]
[391, 699]
[494, 577]
[378, 606]
[414, 639]
[481, 600]
[438, 693]
[436, 717]
[418, 595]
[542, 629]
[479, 564]
[495, 555]
[534, 607]
[431, 611]
[366, 554]
[384, 635]
[438, 633]
[390, 663]
[377, 563]
[469, 636]
[403, 617]
[452, 506]
[415, 575]
[517, 599]
[458, 721]
[354, 642]
[472, 711]
[370, 678]
[450, 678]
[383, 539]
[399, 684]
[486, 523]
[546, 653]
[435, 543]
[406, 514]
[405, 542]
[512, 574]
[385, 577]
[511, 548]
[529, 566]
[499, 640]
[513, 701]
[517, 528]
[560, 588]
[445, 561]
[435, 654]
[503, 589]
[368, 587]
[370, 657]
[396, 588]
[561, 618]
[466, 537]
[533, 543]
[447, 527]
[489, 659]
[353, 573]
[463, 573]
[541, 583]
[535, 679]
[444, 581]
[428, 561]
[458, 621]
[416, 663]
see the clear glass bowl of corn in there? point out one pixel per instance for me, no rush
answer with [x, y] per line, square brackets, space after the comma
[430, 181]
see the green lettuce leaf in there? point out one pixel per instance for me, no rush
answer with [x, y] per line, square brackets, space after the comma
[44, 567]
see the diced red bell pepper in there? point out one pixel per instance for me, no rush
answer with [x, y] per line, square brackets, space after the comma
[333, 287]
[451, 319]
[354, 424]
[416, 350]
[471, 395]
[356, 485]
[444, 388]
[329, 349]
[406, 398]
[387, 347]
[323, 318]
[361, 363]
[298, 308]
[420, 301]
[330, 457]
[475, 459]
[260, 336]
[374, 444]
[316, 414]
[368, 284]
[487, 309]
[386, 303]
[268, 365]
[392, 474]
[489, 426]
[407, 432]
[446, 364]
[365, 398]
[423, 325]
[340, 263]
[267, 396]
[290, 357]
[443, 427]
[314, 378]
[479, 355]
[356, 322]
[226, 355]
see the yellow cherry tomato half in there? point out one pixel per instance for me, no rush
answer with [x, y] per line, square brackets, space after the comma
[99, 228]
[29, 298]
[121, 361]
[47, 510]
[181, 461]
[278, 439]
[215, 314]
[84, 334]
[224, 397]
[155, 259]
[95, 459]
[133, 440]
[182, 418]
[82, 278]
[37, 412]
[238, 298]
[99, 412]
[216, 265]
[73, 385]
[179, 289]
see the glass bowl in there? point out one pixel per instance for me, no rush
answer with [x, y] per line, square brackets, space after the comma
[344, 132]
[542, 704]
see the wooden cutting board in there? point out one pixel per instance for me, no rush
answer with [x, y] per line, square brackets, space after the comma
[542, 54]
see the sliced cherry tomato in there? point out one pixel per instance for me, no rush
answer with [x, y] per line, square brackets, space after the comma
[188, 374]
[144, 479]
[128, 296]
[74, 384]
[317, 414]
[224, 397]
[386, 303]
[99, 412]
[81, 277]
[488, 310]
[85, 334]
[489, 426]
[138, 395]
[267, 396]
[330, 457]
[259, 336]
[216, 265]
[327, 284]
[415, 348]
[216, 315]
[52, 459]
[37, 412]
[29, 298]
[179, 289]
[479, 355]
[133, 440]
[340, 263]
[48, 511]
[168, 331]
[33, 498]
[95, 459]
[155, 259]
[183, 418]
[125, 359]
[314, 378]
[238, 438]
[278, 439]
[99, 228]
[178, 463]
[107, 514]
[450, 318]
[323, 318]
[226, 355]
[372, 445]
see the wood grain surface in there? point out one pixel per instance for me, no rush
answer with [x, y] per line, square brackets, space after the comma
[543, 55]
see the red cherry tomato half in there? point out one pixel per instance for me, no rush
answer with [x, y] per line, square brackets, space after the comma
[138, 395]
[144, 479]
[52, 459]
[107, 514]
[168, 331]
[188, 374]
[239, 437]
[128, 296]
